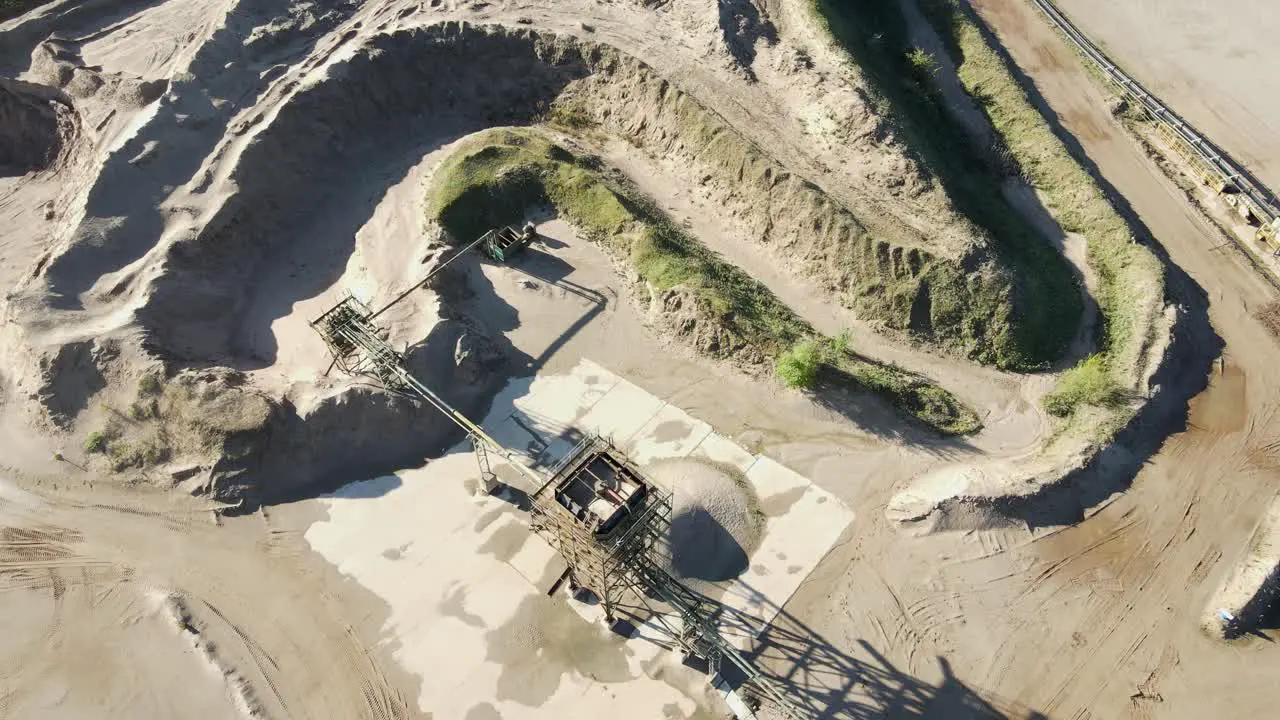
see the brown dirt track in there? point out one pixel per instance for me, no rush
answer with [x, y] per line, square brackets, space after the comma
[1095, 619]
[1100, 619]
[1213, 63]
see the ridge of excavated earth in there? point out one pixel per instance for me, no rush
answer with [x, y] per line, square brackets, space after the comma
[185, 185]
[175, 268]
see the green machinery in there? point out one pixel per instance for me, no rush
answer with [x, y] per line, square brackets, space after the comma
[506, 242]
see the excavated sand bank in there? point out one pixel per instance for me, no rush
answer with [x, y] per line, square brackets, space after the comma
[1252, 587]
[387, 89]
[207, 291]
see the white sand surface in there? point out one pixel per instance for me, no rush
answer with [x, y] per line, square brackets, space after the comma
[464, 576]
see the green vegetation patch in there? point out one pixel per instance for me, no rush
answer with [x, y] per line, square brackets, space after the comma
[1131, 281]
[1089, 383]
[901, 78]
[96, 442]
[496, 178]
[798, 366]
[816, 361]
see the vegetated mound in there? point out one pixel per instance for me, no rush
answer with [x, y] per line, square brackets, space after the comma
[716, 521]
[1131, 294]
[36, 124]
[1138, 349]
[903, 82]
[716, 307]
[712, 305]
[833, 367]
[370, 106]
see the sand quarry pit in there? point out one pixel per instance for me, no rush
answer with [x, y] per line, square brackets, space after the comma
[728, 195]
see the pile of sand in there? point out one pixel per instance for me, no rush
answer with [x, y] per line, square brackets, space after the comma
[1250, 592]
[35, 123]
[715, 519]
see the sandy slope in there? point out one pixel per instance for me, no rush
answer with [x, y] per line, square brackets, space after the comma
[243, 144]
[1099, 619]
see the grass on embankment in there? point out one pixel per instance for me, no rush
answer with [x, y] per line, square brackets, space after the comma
[1130, 295]
[494, 179]
[829, 360]
[900, 78]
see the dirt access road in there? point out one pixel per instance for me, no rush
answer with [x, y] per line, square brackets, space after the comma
[1214, 64]
[1100, 619]
[125, 604]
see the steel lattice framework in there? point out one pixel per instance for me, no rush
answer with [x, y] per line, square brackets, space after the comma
[625, 563]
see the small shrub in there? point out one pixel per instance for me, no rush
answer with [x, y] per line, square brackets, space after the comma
[143, 410]
[798, 366]
[841, 343]
[96, 442]
[124, 455]
[1089, 383]
[149, 384]
[922, 64]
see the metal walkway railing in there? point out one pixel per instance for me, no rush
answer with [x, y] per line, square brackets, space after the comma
[1264, 203]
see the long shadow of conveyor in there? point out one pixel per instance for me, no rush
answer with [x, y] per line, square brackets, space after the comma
[819, 680]
[554, 271]
[823, 681]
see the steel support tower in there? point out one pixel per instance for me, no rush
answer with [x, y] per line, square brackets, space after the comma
[626, 562]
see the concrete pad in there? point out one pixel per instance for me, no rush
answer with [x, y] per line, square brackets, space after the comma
[546, 412]
[539, 563]
[451, 588]
[803, 521]
[456, 570]
[460, 572]
[771, 478]
[621, 413]
[721, 450]
[670, 433]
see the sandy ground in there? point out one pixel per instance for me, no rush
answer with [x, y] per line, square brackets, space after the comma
[133, 602]
[481, 633]
[1249, 590]
[84, 586]
[1212, 64]
[1118, 597]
